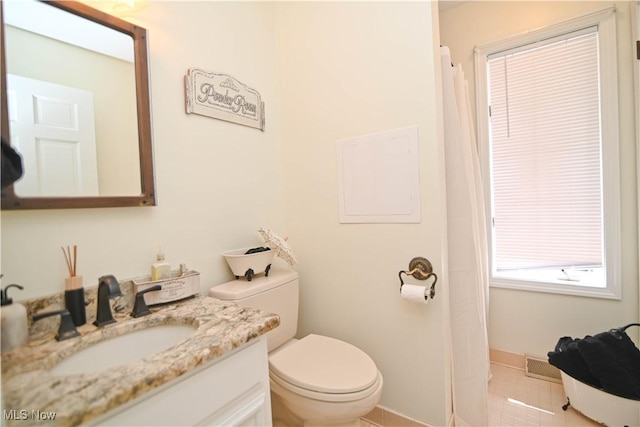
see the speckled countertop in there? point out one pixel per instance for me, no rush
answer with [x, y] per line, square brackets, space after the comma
[27, 385]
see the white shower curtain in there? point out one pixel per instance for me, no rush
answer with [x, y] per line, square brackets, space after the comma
[467, 241]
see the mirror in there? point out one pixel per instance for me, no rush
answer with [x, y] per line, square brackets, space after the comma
[75, 106]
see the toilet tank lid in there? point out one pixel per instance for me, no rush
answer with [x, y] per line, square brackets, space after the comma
[241, 288]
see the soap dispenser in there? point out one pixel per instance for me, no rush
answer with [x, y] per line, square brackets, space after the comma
[160, 269]
[15, 330]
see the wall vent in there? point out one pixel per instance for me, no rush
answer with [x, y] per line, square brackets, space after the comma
[537, 367]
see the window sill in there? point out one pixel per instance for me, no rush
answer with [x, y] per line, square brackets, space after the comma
[556, 288]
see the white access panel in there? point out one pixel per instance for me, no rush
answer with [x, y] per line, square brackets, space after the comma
[378, 177]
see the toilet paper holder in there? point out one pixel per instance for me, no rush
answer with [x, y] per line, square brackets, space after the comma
[421, 269]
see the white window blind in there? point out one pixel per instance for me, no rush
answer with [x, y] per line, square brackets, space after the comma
[546, 161]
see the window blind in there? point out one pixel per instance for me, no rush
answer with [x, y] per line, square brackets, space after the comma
[546, 154]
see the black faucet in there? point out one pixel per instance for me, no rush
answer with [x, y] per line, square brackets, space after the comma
[108, 287]
[140, 306]
[67, 329]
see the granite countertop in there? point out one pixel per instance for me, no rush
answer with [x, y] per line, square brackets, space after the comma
[28, 386]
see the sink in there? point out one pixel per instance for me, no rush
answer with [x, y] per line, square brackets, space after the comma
[123, 349]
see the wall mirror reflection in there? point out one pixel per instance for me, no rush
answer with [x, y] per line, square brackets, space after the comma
[77, 107]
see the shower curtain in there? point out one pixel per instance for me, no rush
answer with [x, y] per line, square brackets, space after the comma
[467, 241]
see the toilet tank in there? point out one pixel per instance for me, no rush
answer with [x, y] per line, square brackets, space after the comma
[276, 293]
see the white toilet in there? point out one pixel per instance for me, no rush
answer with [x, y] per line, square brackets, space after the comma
[315, 380]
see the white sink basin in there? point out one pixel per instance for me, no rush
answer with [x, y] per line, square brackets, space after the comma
[123, 349]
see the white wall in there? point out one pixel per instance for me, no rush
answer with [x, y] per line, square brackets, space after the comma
[528, 322]
[349, 69]
[326, 70]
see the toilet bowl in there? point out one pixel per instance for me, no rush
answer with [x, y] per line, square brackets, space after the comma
[320, 381]
[315, 380]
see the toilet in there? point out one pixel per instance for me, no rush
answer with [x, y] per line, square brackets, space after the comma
[315, 380]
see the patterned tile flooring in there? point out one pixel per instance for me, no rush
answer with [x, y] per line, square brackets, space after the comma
[518, 400]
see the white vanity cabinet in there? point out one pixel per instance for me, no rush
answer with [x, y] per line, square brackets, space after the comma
[232, 390]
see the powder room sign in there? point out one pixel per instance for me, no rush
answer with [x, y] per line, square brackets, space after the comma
[222, 97]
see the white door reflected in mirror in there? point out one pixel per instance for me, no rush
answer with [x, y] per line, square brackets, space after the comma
[53, 127]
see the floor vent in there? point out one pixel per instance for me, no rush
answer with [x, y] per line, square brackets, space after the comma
[539, 368]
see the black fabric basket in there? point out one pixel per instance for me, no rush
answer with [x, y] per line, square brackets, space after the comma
[609, 361]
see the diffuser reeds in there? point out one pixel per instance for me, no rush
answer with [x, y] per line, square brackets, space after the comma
[73, 281]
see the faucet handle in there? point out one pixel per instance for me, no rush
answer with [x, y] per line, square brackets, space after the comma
[67, 329]
[140, 306]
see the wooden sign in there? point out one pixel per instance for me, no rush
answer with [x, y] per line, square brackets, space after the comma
[222, 97]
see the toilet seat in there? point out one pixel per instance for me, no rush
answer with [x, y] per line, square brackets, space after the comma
[324, 368]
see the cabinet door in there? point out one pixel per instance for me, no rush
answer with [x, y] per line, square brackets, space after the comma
[232, 391]
[251, 409]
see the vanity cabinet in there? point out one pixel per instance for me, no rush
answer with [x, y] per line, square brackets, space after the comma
[229, 391]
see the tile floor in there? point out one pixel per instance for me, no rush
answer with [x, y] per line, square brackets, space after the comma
[518, 400]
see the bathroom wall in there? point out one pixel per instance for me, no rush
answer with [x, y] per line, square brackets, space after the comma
[349, 69]
[217, 182]
[326, 70]
[528, 322]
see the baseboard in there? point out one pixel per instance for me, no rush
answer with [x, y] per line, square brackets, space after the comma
[384, 417]
[505, 358]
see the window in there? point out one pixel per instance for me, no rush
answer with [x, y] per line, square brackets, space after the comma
[547, 132]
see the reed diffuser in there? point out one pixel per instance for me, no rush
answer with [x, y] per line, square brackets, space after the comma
[73, 291]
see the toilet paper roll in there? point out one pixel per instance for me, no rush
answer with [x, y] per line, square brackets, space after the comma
[414, 293]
